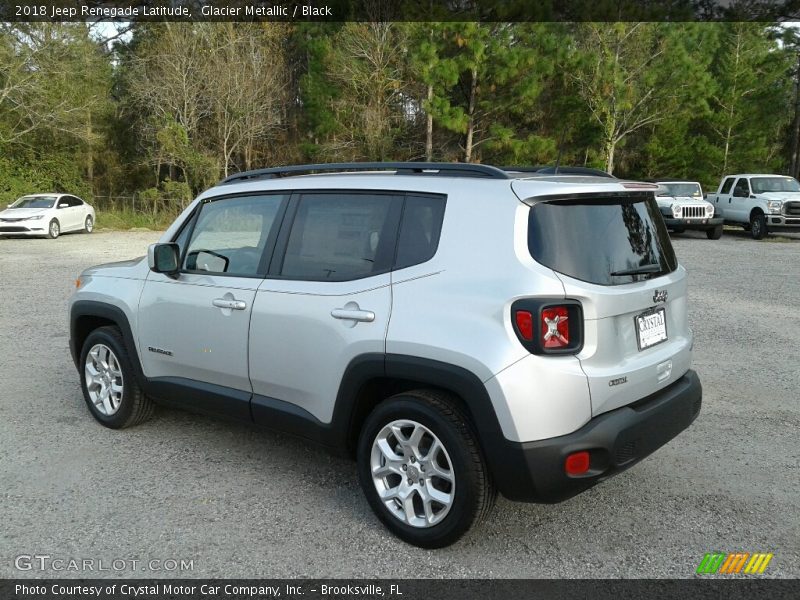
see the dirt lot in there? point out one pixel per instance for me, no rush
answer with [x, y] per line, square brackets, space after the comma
[239, 502]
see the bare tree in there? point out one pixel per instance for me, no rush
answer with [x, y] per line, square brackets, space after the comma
[168, 91]
[247, 82]
[45, 70]
[366, 64]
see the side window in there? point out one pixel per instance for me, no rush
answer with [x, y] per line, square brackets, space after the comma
[419, 229]
[73, 201]
[231, 234]
[726, 187]
[742, 189]
[342, 236]
[183, 234]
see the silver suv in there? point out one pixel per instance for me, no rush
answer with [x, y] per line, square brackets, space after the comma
[460, 330]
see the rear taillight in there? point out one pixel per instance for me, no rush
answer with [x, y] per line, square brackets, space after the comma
[548, 325]
[524, 320]
[555, 327]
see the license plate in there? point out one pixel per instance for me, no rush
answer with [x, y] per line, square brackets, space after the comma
[651, 328]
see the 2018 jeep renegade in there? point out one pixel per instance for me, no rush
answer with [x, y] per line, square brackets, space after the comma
[459, 329]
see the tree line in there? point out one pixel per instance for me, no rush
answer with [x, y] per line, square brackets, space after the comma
[169, 108]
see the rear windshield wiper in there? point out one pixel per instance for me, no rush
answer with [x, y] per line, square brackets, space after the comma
[644, 269]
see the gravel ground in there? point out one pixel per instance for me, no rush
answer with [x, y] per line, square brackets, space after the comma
[245, 503]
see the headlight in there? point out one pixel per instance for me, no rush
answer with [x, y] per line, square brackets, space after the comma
[709, 211]
[774, 206]
[677, 210]
[36, 218]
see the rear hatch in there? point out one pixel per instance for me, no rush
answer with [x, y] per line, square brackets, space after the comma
[612, 252]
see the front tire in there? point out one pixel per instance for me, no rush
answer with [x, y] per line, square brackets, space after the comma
[758, 226]
[109, 382]
[88, 224]
[422, 470]
[715, 233]
[53, 229]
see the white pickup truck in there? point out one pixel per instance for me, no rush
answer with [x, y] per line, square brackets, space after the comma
[759, 203]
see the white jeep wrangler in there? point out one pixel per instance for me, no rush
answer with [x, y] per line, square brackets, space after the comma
[683, 207]
[459, 330]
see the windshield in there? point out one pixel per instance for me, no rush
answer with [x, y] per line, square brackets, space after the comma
[680, 189]
[34, 202]
[774, 184]
[608, 241]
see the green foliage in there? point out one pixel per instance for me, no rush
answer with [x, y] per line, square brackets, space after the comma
[55, 173]
[165, 113]
[127, 219]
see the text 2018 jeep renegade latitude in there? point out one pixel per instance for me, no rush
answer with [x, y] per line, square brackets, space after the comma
[459, 329]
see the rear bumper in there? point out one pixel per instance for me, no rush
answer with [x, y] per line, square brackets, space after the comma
[616, 440]
[693, 223]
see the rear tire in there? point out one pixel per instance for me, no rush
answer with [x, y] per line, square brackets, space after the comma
[53, 229]
[758, 226]
[88, 224]
[435, 449]
[715, 233]
[109, 383]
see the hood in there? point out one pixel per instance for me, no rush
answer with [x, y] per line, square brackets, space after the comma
[670, 200]
[127, 269]
[21, 213]
[779, 195]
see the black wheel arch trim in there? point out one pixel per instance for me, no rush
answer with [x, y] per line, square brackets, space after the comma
[423, 372]
[107, 312]
[352, 406]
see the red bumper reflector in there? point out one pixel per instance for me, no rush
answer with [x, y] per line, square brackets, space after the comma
[577, 463]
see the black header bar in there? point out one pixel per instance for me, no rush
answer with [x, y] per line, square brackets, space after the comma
[400, 10]
[712, 587]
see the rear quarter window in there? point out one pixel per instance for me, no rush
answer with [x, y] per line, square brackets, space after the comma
[420, 229]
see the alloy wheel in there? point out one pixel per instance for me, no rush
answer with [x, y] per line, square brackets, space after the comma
[104, 379]
[412, 473]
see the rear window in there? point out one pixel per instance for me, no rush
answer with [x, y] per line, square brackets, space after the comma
[607, 241]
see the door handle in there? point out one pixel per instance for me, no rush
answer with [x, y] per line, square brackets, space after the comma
[231, 304]
[365, 316]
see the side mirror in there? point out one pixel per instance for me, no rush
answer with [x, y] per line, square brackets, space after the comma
[63, 205]
[753, 196]
[163, 258]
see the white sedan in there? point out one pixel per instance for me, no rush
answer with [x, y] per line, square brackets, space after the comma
[47, 215]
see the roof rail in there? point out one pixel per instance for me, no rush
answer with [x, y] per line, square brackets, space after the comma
[400, 168]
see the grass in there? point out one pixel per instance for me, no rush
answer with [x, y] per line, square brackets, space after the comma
[123, 220]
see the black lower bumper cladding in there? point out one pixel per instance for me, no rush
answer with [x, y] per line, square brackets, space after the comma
[615, 441]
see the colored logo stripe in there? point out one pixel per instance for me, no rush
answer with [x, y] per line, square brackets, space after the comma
[758, 564]
[734, 562]
[710, 563]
